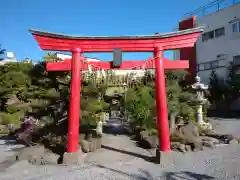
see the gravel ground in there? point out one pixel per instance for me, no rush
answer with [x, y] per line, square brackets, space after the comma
[124, 162]
[228, 126]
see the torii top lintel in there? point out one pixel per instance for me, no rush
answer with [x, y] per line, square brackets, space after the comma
[167, 41]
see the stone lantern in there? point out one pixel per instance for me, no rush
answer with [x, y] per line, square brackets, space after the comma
[200, 99]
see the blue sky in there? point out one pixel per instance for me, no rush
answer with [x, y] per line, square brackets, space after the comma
[87, 17]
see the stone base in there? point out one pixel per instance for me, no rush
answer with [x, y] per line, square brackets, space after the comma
[73, 158]
[161, 157]
[30, 153]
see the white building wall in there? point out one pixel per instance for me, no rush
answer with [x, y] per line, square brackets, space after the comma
[228, 44]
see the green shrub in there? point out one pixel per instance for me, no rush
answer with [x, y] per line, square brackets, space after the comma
[4, 132]
[11, 118]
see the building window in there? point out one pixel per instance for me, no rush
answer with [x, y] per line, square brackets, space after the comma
[214, 64]
[200, 67]
[236, 60]
[236, 26]
[207, 65]
[204, 37]
[208, 35]
[220, 32]
[211, 35]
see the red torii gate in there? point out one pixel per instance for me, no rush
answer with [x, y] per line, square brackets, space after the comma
[151, 43]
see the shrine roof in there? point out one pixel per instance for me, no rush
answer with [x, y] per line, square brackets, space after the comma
[155, 36]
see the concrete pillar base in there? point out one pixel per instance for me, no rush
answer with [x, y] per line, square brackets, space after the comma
[73, 158]
[162, 157]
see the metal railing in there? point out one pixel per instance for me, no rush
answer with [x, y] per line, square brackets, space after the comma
[212, 7]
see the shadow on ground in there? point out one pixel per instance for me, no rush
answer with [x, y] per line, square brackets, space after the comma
[9, 140]
[115, 129]
[146, 158]
[187, 176]
[145, 175]
[6, 137]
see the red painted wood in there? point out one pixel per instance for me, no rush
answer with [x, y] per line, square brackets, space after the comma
[120, 42]
[143, 45]
[62, 48]
[161, 102]
[167, 64]
[74, 106]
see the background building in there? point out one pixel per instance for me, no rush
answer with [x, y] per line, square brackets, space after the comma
[219, 44]
[135, 73]
[7, 57]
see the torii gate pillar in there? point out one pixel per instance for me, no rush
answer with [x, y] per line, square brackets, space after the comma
[74, 107]
[161, 101]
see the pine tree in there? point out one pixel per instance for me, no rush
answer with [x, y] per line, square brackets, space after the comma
[14, 82]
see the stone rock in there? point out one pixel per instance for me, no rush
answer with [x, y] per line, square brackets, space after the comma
[175, 145]
[206, 126]
[223, 138]
[93, 133]
[85, 146]
[181, 148]
[92, 146]
[188, 148]
[202, 134]
[99, 129]
[88, 137]
[190, 130]
[234, 141]
[144, 134]
[226, 138]
[148, 142]
[73, 158]
[30, 153]
[237, 138]
[34, 160]
[50, 158]
[190, 133]
[210, 132]
[196, 144]
[38, 161]
[209, 144]
[210, 139]
[98, 143]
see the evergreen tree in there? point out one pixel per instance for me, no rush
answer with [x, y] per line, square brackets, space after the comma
[14, 82]
[233, 83]
[216, 87]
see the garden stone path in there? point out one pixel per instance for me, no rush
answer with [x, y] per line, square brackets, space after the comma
[118, 148]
